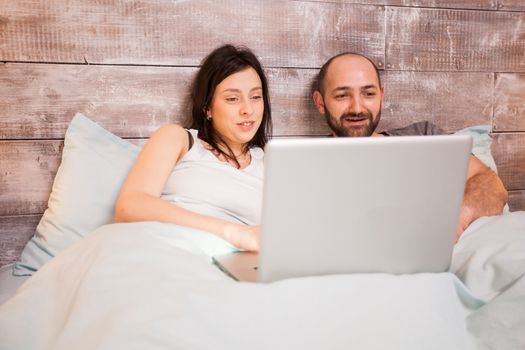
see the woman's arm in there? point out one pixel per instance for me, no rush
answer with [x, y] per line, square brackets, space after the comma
[139, 198]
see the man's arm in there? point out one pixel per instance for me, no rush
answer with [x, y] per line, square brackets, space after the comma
[484, 195]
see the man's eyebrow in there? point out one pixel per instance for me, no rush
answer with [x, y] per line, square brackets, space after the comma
[342, 88]
[348, 88]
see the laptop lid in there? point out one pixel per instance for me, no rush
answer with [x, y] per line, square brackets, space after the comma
[360, 205]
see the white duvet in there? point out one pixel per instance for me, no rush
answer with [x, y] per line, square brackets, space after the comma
[152, 286]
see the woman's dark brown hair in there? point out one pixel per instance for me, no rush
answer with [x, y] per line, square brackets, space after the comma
[217, 66]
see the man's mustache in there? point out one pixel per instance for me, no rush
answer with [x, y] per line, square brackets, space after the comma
[356, 116]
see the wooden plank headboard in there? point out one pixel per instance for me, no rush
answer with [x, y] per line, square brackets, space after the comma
[128, 65]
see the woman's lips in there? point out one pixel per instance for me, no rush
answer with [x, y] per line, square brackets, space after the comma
[246, 126]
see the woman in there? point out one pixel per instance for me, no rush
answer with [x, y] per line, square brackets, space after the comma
[208, 177]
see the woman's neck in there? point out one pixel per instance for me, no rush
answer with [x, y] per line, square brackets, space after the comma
[238, 150]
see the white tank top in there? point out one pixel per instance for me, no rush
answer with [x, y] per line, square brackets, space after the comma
[201, 183]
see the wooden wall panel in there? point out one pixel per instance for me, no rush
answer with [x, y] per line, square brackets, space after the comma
[293, 111]
[516, 200]
[509, 102]
[39, 100]
[451, 100]
[27, 170]
[454, 40]
[15, 231]
[291, 33]
[459, 4]
[509, 154]
[511, 5]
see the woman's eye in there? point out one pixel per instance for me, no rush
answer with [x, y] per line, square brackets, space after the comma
[257, 97]
[231, 99]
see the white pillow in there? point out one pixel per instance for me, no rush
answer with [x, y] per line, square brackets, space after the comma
[94, 165]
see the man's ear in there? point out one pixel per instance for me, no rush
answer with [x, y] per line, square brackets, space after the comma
[382, 89]
[319, 101]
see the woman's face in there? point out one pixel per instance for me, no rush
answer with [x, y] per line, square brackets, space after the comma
[237, 108]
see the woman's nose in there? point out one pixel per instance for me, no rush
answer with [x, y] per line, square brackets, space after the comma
[246, 107]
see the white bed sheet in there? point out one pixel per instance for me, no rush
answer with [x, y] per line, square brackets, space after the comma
[149, 285]
[9, 283]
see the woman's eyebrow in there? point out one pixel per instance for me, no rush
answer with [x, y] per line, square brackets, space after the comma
[239, 90]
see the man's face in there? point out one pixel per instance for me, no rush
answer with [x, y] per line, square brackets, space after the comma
[351, 99]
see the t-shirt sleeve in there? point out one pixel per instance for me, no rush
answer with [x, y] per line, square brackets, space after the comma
[417, 129]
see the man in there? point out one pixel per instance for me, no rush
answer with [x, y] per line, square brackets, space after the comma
[350, 95]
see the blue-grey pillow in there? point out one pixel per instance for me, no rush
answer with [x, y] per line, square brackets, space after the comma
[481, 142]
[94, 165]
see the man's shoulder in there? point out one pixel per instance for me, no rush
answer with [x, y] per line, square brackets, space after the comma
[416, 129]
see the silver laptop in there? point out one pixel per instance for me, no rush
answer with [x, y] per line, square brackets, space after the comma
[357, 205]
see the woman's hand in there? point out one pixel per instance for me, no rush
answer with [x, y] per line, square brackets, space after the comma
[243, 236]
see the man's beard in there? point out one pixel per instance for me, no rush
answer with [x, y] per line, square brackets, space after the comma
[337, 124]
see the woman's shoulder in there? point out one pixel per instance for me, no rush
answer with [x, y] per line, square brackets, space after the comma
[171, 129]
[170, 132]
[169, 137]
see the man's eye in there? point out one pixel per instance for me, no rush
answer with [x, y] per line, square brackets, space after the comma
[341, 96]
[370, 93]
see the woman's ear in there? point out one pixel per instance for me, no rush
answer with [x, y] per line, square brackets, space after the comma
[206, 111]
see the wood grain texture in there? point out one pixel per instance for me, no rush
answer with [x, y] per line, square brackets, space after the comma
[509, 102]
[15, 231]
[165, 32]
[452, 100]
[27, 170]
[454, 40]
[511, 5]
[509, 153]
[460, 4]
[516, 200]
[41, 99]
[293, 111]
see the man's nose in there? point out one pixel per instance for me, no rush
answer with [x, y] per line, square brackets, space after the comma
[356, 104]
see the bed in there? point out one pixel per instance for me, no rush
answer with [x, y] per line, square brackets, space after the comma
[71, 278]
[97, 284]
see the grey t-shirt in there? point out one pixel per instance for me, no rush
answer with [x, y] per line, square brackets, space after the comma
[416, 129]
